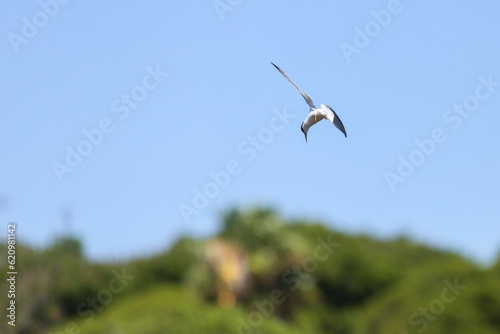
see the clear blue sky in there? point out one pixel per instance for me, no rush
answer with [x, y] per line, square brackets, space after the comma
[180, 90]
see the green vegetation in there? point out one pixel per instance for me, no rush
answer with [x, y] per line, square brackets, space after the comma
[171, 309]
[260, 274]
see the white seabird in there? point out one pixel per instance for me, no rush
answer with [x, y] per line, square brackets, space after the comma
[315, 114]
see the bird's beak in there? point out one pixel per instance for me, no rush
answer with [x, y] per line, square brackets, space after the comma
[305, 134]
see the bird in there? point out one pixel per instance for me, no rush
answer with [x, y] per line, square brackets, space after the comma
[315, 114]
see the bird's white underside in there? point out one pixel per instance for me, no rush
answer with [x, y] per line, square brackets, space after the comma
[315, 114]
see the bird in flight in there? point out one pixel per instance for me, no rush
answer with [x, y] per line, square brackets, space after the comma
[315, 114]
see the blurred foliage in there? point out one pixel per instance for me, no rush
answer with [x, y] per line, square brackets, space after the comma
[260, 274]
[167, 266]
[50, 284]
[173, 309]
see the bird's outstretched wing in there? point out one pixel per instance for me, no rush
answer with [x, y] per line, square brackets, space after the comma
[332, 117]
[304, 94]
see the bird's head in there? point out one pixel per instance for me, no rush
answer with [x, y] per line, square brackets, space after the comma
[303, 130]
